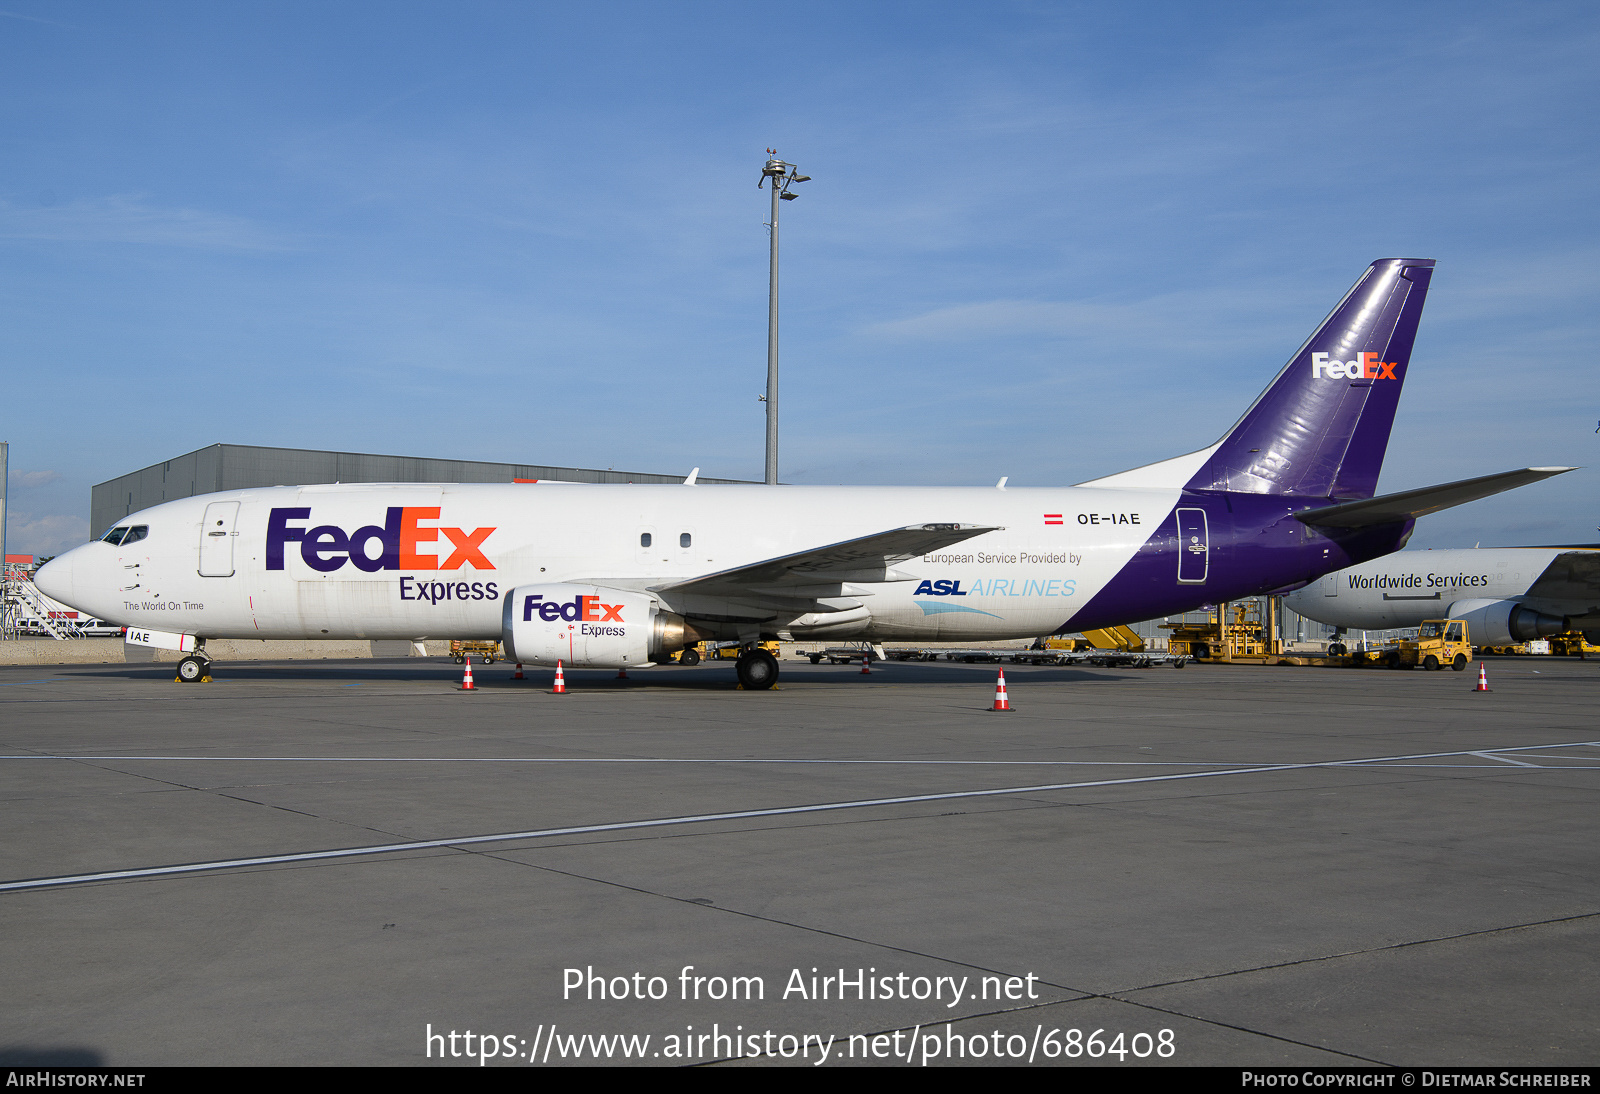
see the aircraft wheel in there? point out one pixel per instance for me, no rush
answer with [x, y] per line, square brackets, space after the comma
[1460, 662]
[816, 658]
[192, 669]
[1431, 663]
[758, 670]
[690, 657]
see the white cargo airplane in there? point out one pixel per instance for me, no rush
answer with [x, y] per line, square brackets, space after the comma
[1507, 595]
[623, 576]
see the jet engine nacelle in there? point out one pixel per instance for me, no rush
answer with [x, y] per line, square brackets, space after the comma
[589, 626]
[1504, 622]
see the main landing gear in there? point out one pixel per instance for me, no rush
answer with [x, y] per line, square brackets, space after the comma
[194, 669]
[758, 669]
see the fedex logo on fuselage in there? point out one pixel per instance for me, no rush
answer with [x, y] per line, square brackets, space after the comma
[1365, 367]
[327, 547]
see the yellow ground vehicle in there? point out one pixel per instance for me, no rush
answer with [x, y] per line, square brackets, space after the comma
[1572, 644]
[487, 651]
[1439, 642]
[718, 651]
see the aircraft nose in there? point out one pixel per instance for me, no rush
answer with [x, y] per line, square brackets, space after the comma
[54, 578]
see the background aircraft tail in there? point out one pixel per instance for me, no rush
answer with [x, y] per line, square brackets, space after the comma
[1320, 429]
[1322, 426]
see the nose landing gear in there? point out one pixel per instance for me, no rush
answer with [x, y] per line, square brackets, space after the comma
[194, 670]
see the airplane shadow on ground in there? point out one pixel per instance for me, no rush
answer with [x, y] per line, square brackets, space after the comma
[497, 677]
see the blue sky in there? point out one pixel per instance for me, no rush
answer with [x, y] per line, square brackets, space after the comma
[1049, 241]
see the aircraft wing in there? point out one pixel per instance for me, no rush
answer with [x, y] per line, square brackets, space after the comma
[1393, 508]
[808, 573]
[1571, 575]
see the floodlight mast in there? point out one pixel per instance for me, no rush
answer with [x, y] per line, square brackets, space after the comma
[782, 175]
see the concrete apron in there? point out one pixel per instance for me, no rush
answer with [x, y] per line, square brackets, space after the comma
[103, 651]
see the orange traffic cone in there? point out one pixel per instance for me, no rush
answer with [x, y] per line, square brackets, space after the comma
[466, 679]
[561, 682]
[518, 674]
[866, 665]
[1000, 700]
[622, 673]
[1483, 678]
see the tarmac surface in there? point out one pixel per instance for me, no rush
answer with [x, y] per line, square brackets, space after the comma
[1214, 865]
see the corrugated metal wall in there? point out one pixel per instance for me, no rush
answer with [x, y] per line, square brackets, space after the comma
[240, 467]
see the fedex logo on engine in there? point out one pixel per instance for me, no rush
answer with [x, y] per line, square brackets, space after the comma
[1365, 367]
[327, 547]
[580, 608]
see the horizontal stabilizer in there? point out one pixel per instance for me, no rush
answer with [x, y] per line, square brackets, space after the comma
[1409, 504]
[866, 559]
[1574, 575]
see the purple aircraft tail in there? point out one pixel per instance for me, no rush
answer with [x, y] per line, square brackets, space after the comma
[1321, 428]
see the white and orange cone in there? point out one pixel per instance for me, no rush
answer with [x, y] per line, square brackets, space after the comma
[518, 674]
[1483, 678]
[622, 673]
[561, 682]
[866, 665]
[1000, 700]
[466, 677]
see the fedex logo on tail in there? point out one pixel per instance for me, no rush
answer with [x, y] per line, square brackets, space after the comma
[1364, 367]
[400, 539]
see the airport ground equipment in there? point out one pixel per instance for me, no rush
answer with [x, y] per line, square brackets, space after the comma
[863, 651]
[461, 650]
[1120, 638]
[1439, 642]
[1572, 644]
[719, 651]
[1002, 702]
[1242, 632]
[1567, 644]
[33, 613]
[899, 653]
[1245, 633]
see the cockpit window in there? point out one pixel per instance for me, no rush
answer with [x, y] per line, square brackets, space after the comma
[124, 535]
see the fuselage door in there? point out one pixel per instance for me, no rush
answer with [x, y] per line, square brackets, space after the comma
[1193, 548]
[216, 539]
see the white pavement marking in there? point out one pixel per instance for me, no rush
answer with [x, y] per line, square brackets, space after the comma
[1502, 759]
[701, 818]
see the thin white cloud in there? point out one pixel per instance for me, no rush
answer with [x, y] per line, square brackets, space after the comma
[47, 535]
[1202, 321]
[123, 219]
[29, 480]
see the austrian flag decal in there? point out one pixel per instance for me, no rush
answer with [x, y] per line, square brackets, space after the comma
[1053, 518]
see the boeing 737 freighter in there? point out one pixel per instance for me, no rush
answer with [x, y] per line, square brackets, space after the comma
[1507, 595]
[623, 576]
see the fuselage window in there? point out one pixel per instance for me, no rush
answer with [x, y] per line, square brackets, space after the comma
[644, 539]
[115, 535]
[683, 540]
